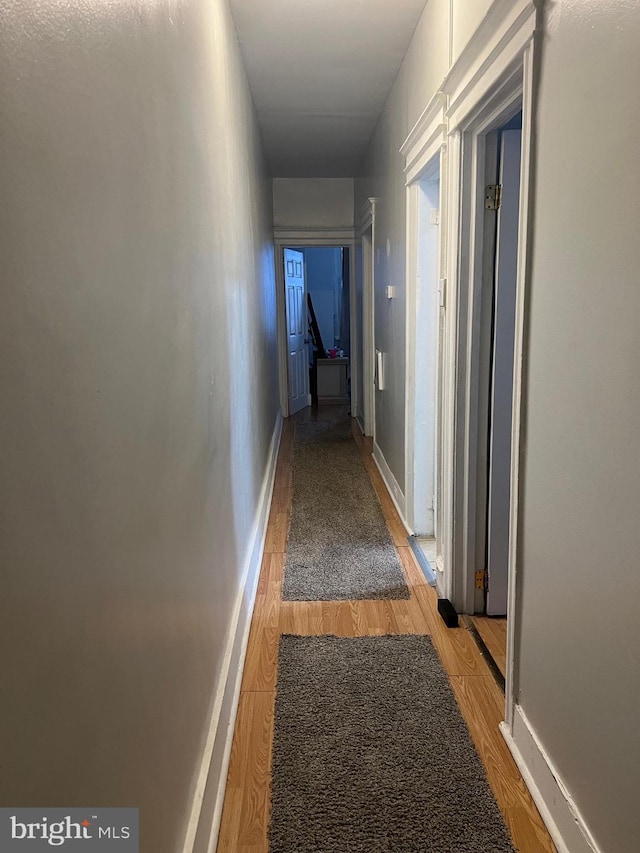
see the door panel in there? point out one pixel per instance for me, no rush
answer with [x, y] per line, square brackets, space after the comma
[502, 375]
[296, 303]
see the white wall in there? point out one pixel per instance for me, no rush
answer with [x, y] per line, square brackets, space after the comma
[313, 202]
[580, 634]
[577, 628]
[465, 17]
[139, 393]
[424, 66]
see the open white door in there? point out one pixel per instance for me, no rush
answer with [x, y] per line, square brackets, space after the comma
[501, 401]
[297, 325]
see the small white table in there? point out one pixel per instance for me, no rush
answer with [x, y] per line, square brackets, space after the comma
[333, 380]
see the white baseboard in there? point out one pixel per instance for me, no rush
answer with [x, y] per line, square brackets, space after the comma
[397, 495]
[566, 825]
[206, 810]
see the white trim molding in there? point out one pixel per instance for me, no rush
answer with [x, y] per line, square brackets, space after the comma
[367, 214]
[524, 276]
[206, 806]
[557, 808]
[445, 539]
[498, 43]
[367, 231]
[425, 159]
[393, 487]
[292, 237]
[425, 138]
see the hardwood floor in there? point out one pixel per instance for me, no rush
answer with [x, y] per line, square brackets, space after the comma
[245, 815]
[493, 630]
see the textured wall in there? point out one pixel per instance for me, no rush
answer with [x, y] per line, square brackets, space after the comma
[580, 635]
[139, 392]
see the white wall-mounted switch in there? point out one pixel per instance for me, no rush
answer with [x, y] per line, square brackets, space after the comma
[390, 291]
[378, 377]
[442, 292]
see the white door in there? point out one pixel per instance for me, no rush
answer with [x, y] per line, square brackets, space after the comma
[297, 326]
[501, 399]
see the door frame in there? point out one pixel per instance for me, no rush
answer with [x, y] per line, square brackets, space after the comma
[496, 500]
[341, 238]
[368, 343]
[492, 78]
[425, 152]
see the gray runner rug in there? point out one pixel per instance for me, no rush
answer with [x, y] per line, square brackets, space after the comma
[372, 755]
[339, 546]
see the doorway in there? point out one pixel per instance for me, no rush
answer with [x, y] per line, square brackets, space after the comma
[423, 359]
[316, 325]
[490, 225]
[495, 387]
[483, 95]
[501, 210]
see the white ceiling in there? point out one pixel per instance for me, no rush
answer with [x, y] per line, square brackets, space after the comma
[320, 72]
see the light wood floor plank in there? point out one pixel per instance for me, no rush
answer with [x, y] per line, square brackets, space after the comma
[528, 832]
[261, 661]
[271, 571]
[245, 815]
[481, 703]
[412, 570]
[276, 539]
[493, 631]
[455, 646]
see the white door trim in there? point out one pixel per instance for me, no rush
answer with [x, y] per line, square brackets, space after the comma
[338, 238]
[504, 243]
[524, 277]
[425, 155]
[497, 45]
[493, 75]
[368, 224]
[425, 139]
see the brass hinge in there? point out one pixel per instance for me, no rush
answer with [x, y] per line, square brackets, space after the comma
[492, 196]
[481, 579]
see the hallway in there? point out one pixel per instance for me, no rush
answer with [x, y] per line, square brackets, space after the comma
[158, 159]
[245, 815]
